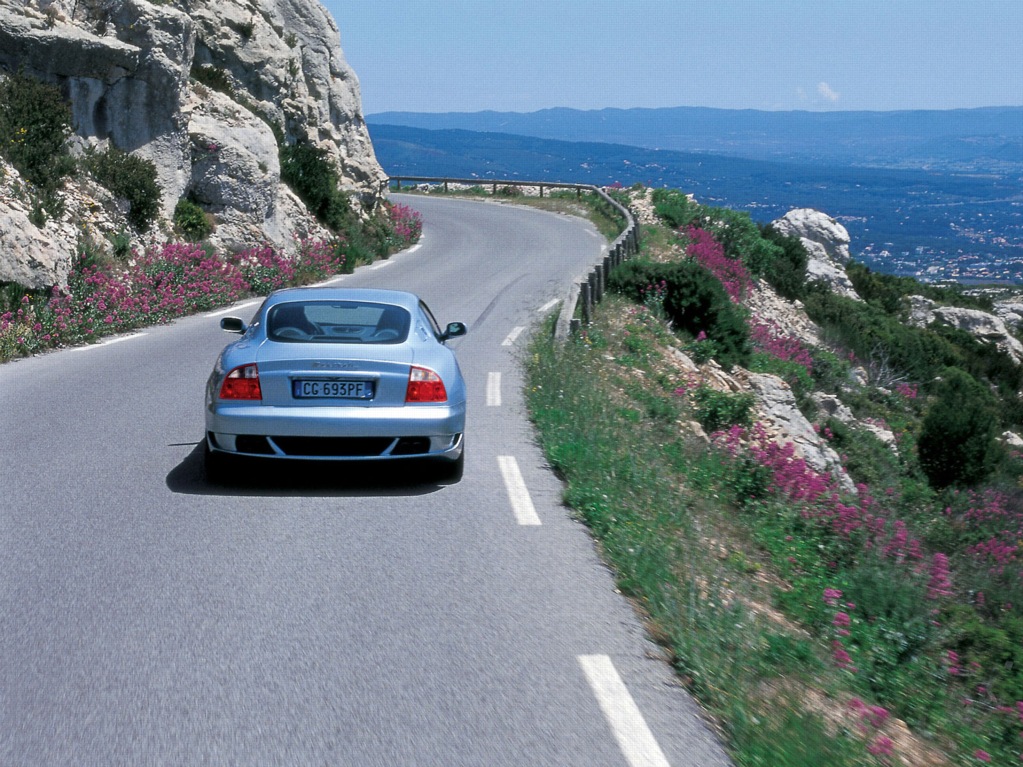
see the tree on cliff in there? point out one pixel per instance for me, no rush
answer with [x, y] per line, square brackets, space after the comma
[957, 439]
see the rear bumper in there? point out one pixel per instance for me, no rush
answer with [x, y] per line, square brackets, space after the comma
[337, 433]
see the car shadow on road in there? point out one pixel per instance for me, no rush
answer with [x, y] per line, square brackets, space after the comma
[268, 478]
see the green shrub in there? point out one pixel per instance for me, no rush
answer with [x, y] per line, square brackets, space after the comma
[35, 124]
[984, 361]
[191, 220]
[675, 208]
[717, 410]
[888, 291]
[694, 301]
[786, 272]
[308, 171]
[866, 330]
[132, 178]
[741, 239]
[213, 77]
[957, 439]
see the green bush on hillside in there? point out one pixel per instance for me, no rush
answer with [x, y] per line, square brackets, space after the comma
[308, 171]
[766, 254]
[132, 178]
[717, 410]
[957, 439]
[213, 77]
[741, 238]
[889, 291]
[675, 208]
[191, 220]
[786, 271]
[35, 125]
[866, 330]
[694, 301]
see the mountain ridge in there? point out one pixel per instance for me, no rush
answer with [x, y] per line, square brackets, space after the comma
[925, 223]
[985, 136]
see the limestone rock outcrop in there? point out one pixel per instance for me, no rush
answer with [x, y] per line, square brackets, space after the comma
[777, 409]
[984, 326]
[1011, 312]
[131, 70]
[827, 244]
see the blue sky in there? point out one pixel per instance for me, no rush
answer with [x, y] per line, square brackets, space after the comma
[524, 55]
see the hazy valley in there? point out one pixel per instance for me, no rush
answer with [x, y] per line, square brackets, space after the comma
[936, 195]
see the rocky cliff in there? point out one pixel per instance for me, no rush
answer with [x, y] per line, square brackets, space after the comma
[133, 72]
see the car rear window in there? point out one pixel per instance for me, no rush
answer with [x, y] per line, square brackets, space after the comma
[350, 322]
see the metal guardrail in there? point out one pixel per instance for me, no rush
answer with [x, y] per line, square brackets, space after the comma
[586, 291]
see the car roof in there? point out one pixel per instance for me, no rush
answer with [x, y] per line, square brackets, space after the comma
[374, 295]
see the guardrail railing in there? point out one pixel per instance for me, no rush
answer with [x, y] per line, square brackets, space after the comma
[586, 291]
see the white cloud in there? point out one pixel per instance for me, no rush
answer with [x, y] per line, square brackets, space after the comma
[827, 92]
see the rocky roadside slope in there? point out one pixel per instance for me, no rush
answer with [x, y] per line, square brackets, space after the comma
[129, 69]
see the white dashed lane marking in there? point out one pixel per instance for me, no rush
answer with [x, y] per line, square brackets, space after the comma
[512, 337]
[634, 738]
[493, 390]
[548, 306]
[518, 493]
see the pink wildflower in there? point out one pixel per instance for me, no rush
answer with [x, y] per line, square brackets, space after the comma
[940, 584]
[831, 597]
[883, 747]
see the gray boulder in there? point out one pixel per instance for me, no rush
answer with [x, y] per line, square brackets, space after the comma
[777, 410]
[1011, 311]
[984, 326]
[827, 245]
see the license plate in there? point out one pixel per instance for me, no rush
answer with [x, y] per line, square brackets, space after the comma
[332, 389]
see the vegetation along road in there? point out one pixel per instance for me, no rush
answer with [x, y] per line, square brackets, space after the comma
[148, 617]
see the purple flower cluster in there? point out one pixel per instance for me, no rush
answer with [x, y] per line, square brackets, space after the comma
[909, 391]
[860, 522]
[710, 254]
[769, 338]
[870, 721]
[407, 223]
[990, 520]
[859, 526]
[164, 282]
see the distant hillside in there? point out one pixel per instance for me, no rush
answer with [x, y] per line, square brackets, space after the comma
[979, 139]
[962, 226]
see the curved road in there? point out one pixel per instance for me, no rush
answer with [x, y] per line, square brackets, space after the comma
[148, 618]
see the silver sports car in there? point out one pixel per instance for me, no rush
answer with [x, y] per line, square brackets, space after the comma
[337, 374]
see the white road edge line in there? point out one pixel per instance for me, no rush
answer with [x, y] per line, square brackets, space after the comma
[381, 265]
[109, 342]
[493, 390]
[512, 337]
[330, 281]
[518, 493]
[548, 306]
[230, 309]
[637, 743]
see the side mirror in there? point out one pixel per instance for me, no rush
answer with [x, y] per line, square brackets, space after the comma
[232, 325]
[454, 330]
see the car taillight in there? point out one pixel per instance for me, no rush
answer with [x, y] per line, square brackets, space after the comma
[425, 386]
[242, 383]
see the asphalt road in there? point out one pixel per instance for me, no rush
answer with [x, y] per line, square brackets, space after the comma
[340, 617]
